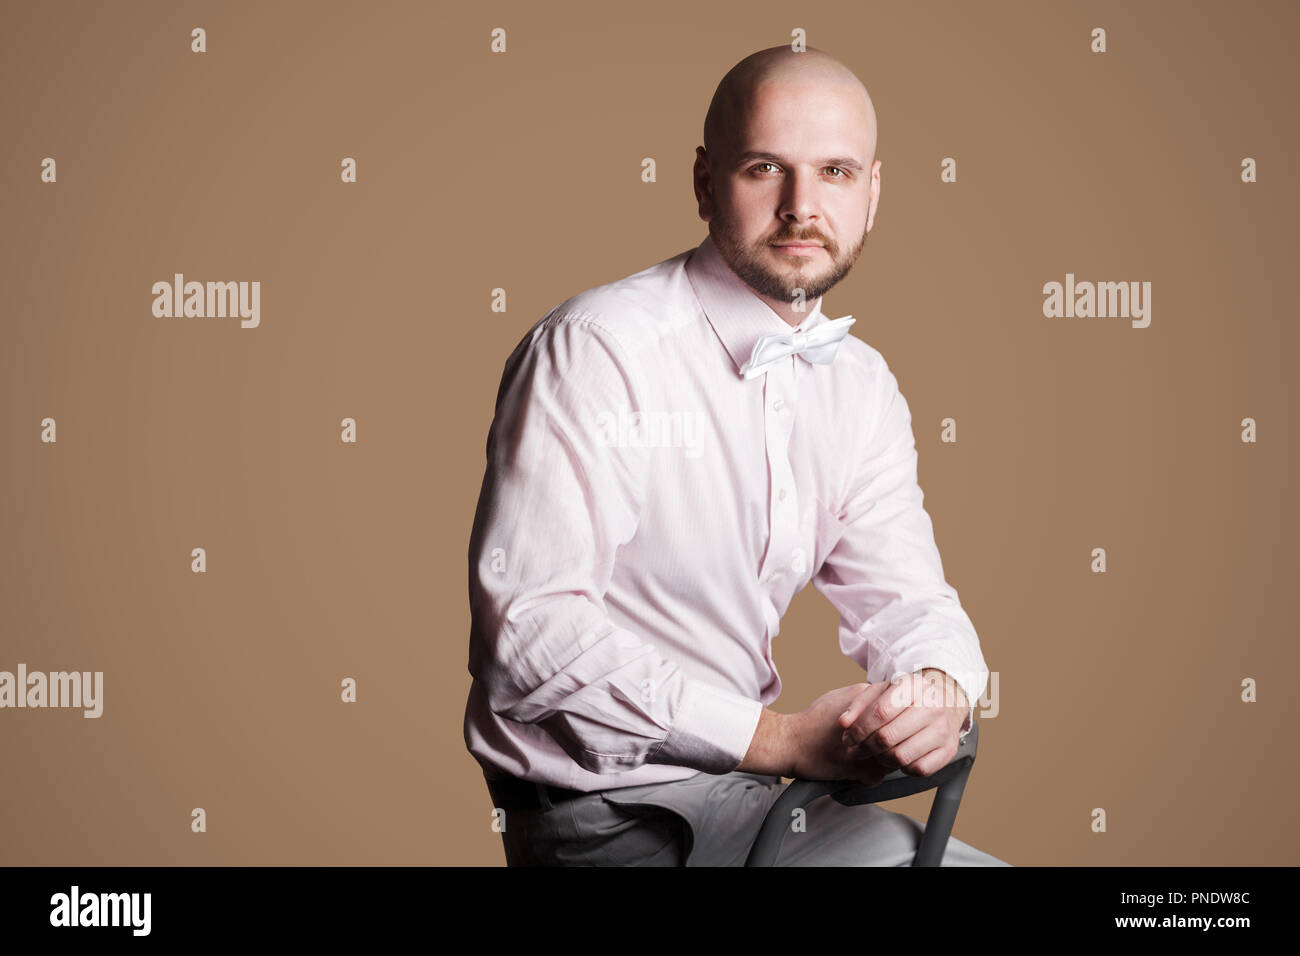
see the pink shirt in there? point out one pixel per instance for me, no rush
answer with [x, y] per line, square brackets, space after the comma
[627, 574]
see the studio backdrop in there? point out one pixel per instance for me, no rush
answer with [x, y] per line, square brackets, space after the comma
[239, 516]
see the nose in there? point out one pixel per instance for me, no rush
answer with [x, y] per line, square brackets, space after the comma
[799, 198]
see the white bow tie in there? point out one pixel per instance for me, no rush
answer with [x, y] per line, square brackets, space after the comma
[817, 345]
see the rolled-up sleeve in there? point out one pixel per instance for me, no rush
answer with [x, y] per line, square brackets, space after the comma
[884, 575]
[560, 495]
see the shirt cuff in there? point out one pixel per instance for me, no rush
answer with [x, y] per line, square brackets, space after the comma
[970, 722]
[711, 730]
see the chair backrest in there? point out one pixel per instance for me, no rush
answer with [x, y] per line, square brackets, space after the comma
[949, 782]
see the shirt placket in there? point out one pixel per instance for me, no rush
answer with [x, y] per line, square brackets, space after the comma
[781, 560]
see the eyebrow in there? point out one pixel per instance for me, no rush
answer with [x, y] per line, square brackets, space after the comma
[845, 161]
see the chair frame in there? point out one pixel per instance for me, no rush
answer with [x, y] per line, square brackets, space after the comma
[949, 782]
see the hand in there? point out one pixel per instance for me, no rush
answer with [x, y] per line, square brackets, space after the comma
[818, 748]
[915, 726]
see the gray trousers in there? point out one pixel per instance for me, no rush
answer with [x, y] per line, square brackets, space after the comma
[712, 820]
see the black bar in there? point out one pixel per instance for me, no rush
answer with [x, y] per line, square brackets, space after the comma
[953, 906]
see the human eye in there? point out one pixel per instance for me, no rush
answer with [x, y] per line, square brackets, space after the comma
[763, 163]
[842, 171]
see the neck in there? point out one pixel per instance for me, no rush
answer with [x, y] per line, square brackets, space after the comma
[788, 313]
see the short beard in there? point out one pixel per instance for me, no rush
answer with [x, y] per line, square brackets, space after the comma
[745, 262]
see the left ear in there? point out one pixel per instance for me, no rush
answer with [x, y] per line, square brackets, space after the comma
[874, 193]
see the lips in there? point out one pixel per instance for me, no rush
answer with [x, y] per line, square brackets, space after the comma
[799, 250]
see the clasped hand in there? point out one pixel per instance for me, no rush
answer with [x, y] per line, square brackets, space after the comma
[865, 731]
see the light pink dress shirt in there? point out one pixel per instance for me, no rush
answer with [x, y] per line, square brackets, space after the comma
[627, 574]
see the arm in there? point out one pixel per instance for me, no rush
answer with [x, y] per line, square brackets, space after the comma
[557, 501]
[810, 744]
[898, 615]
[769, 751]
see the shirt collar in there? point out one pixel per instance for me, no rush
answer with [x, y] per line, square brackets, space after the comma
[737, 314]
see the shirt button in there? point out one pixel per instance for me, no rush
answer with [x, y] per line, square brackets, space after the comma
[778, 404]
[780, 495]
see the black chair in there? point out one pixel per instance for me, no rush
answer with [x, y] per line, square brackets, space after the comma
[950, 781]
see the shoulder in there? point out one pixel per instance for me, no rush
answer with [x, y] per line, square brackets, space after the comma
[864, 382]
[864, 366]
[596, 340]
[631, 313]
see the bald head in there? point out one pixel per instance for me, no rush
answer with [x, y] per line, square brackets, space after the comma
[787, 177]
[813, 72]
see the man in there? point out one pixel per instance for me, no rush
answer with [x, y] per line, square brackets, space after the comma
[665, 471]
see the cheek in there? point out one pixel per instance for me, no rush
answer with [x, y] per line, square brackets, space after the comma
[745, 221]
[752, 198]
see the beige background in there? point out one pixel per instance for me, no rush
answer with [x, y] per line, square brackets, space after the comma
[522, 170]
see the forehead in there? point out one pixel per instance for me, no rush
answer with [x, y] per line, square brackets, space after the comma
[820, 117]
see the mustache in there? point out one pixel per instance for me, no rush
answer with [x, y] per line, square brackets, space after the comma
[812, 237]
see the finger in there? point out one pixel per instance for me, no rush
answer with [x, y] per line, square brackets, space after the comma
[890, 700]
[894, 705]
[871, 711]
[861, 702]
[909, 689]
[887, 739]
[913, 720]
[934, 761]
[924, 752]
